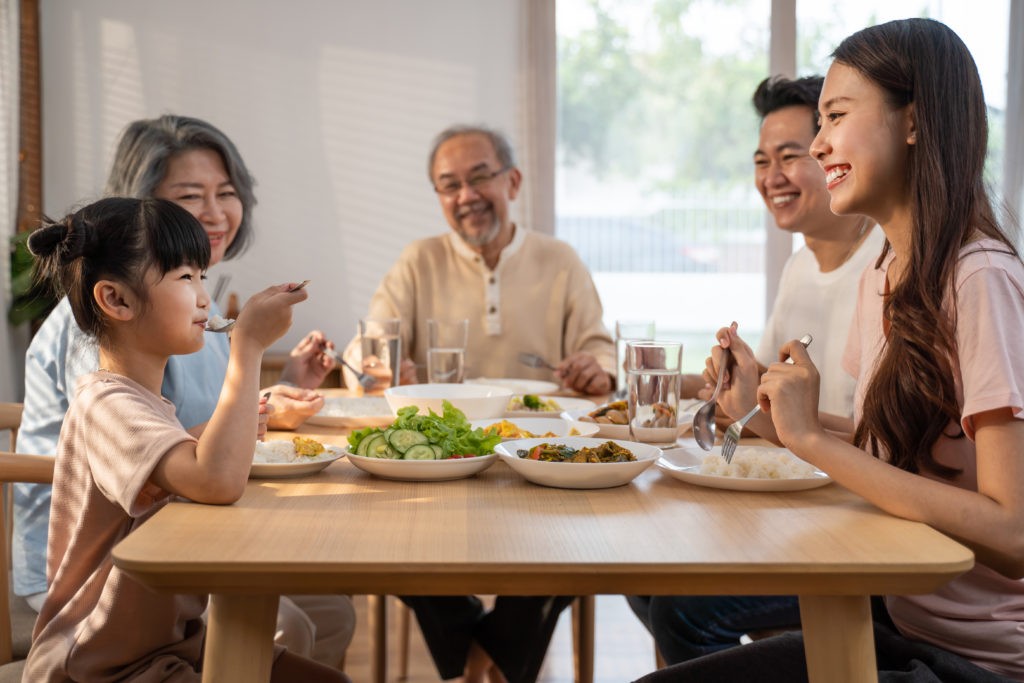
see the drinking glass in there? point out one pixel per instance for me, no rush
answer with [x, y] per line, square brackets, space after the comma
[381, 344]
[626, 330]
[446, 350]
[653, 379]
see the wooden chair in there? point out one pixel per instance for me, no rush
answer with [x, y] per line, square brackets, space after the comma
[582, 637]
[17, 619]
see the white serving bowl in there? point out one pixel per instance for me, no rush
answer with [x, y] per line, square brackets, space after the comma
[477, 401]
[577, 475]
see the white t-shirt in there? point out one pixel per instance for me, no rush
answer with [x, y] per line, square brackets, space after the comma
[823, 305]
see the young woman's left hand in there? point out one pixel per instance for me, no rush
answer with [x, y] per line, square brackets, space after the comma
[307, 364]
[291, 406]
[788, 393]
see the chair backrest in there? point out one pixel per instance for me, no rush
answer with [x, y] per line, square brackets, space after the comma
[16, 467]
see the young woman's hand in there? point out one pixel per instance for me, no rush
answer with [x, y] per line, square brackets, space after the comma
[291, 406]
[788, 393]
[307, 364]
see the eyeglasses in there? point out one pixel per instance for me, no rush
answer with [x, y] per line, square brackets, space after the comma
[451, 187]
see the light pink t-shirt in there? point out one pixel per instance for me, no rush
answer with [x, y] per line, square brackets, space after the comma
[979, 615]
[97, 624]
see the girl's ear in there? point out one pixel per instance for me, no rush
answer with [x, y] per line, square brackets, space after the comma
[116, 300]
[911, 126]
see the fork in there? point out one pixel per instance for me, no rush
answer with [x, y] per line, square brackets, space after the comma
[732, 434]
[534, 361]
[365, 381]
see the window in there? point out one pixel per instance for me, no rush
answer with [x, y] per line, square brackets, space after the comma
[654, 181]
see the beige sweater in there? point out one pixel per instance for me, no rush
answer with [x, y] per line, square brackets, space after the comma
[540, 298]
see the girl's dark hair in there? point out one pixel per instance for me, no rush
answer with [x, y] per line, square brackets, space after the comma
[911, 401]
[147, 147]
[117, 238]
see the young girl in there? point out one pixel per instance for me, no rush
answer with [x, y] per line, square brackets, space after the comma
[935, 347]
[132, 270]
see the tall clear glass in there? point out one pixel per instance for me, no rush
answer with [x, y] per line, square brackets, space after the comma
[653, 379]
[381, 342]
[627, 330]
[446, 350]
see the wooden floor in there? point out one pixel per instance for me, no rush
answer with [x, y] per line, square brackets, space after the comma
[624, 650]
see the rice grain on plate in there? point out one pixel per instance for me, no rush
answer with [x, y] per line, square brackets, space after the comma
[283, 451]
[755, 462]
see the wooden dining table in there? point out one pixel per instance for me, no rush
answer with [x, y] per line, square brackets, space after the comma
[344, 531]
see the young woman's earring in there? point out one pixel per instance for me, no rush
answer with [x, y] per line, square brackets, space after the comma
[912, 139]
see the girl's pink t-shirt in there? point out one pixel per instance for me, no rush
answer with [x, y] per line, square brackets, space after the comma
[97, 624]
[979, 615]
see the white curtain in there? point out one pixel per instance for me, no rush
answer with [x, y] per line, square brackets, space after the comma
[11, 356]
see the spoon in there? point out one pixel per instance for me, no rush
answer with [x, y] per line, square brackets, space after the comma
[219, 324]
[299, 286]
[534, 361]
[365, 381]
[704, 418]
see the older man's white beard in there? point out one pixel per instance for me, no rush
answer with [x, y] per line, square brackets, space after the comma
[481, 239]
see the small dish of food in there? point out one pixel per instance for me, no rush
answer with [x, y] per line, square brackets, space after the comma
[612, 419]
[577, 462]
[531, 427]
[296, 457]
[539, 405]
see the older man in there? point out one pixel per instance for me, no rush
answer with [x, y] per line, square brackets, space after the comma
[817, 294]
[521, 290]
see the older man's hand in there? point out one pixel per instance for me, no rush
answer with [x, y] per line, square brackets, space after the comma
[581, 372]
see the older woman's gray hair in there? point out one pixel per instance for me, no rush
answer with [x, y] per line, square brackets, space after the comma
[146, 148]
[502, 148]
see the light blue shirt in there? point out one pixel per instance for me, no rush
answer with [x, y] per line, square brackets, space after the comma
[59, 354]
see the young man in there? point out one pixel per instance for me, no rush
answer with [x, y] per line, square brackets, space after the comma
[817, 294]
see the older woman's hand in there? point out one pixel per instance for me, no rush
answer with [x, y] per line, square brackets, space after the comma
[291, 406]
[307, 364]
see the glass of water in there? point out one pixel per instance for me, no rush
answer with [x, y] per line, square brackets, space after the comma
[446, 350]
[653, 381]
[381, 342]
[625, 331]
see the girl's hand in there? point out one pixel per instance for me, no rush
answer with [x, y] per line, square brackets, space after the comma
[789, 395]
[267, 315]
[264, 416]
[307, 364]
[291, 406]
[739, 388]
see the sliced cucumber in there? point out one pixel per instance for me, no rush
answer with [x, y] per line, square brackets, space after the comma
[379, 448]
[404, 439]
[438, 451]
[420, 451]
[361, 448]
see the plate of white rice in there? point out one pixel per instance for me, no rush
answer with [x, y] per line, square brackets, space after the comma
[753, 468]
[353, 412]
[279, 459]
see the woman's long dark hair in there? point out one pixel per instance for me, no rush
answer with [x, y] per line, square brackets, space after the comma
[911, 400]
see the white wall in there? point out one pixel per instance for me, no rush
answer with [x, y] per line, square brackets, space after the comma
[332, 103]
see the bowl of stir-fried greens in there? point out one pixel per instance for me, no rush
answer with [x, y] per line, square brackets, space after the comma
[578, 462]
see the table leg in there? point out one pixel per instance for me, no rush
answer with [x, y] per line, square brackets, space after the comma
[377, 611]
[240, 638]
[838, 639]
[583, 608]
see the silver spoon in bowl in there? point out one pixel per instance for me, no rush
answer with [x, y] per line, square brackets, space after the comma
[704, 418]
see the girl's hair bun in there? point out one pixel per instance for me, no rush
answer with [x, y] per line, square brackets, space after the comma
[66, 237]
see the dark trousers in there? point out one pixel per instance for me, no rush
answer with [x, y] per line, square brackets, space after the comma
[780, 659]
[515, 634]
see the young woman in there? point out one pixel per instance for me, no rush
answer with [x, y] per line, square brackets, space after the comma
[132, 271]
[195, 165]
[935, 346]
